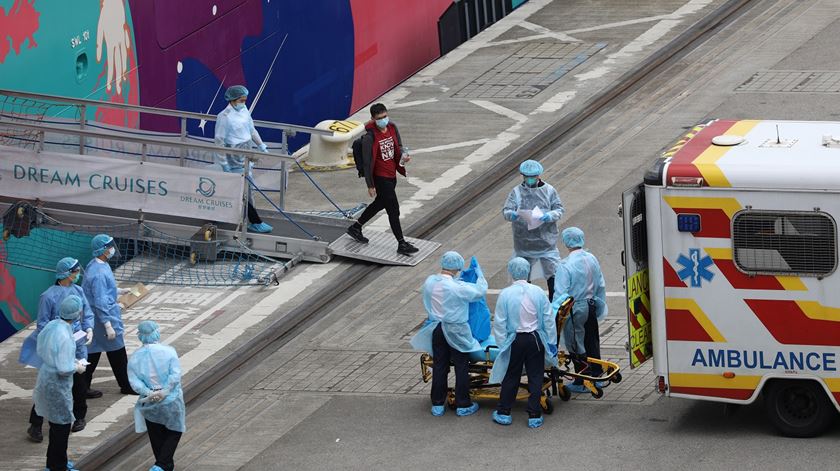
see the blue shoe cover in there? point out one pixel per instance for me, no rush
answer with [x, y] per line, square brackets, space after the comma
[262, 228]
[465, 411]
[71, 468]
[535, 422]
[577, 388]
[155, 468]
[501, 419]
[437, 411]
[602, 384]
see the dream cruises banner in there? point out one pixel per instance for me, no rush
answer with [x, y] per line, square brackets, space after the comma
[121, 184]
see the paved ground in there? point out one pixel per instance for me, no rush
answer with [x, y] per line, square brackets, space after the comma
[347, 391]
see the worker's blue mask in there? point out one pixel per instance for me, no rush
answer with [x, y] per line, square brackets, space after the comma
[239, 106]
[381, 123]
[531, 181]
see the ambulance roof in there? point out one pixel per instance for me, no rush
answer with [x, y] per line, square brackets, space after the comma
[795, 158]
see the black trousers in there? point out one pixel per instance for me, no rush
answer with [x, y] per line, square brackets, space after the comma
[79, 401]
[386, 198]
[443, 353]
[119, 362]
[57, 447]
[253, 215]
[164, 442]
[592, 345]
[526, 350]
[550, 283]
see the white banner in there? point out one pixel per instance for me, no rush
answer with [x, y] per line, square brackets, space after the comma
[122, 184]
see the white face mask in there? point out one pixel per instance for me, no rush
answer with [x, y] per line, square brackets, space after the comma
[111, 252]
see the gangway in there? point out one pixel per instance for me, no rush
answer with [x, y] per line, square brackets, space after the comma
[37, 128]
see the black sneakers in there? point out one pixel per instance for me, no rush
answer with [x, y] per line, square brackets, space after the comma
[406, 248]
[35, 434]
[355, 231]
[93, 394]
[78, 425]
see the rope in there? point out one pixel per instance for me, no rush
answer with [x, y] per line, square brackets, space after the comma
[343, 213]
[283, 213]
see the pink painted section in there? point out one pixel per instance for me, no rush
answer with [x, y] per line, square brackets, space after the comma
[17, 26]
[8, 292]
[391, 44]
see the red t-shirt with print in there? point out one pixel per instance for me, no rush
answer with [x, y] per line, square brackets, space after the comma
[384, 152]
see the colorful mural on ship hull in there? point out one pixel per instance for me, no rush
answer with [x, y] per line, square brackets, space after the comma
[336, 57]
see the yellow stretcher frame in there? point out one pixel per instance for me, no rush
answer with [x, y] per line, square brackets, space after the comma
[479, 373]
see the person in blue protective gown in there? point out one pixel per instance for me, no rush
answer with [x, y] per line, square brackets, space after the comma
[579, 276]
[52, 394]
[101, 290]
[235, 128]
[155, 373]
[538, 245]
[66, 275]
[526, 333]
[446, 333]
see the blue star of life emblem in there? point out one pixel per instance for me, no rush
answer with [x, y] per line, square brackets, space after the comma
[696, 269]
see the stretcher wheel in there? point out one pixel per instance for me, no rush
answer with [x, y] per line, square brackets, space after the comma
[599, 393]
[6, 234]
[193, 258]
[616, 378]
[564, 393]
[546, 405]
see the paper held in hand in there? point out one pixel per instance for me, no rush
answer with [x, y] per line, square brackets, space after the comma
[531, 217]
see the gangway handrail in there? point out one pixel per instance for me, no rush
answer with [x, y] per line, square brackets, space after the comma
[252, 154]
[157, 111]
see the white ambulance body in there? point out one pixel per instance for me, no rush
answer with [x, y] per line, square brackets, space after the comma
[731, 265]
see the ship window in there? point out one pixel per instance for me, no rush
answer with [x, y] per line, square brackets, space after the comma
[785, 242]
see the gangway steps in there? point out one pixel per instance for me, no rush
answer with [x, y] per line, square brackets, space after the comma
[382, 249]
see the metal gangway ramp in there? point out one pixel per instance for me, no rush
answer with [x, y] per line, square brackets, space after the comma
[50, 128]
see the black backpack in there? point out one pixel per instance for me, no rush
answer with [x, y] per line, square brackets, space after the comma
[357, 153]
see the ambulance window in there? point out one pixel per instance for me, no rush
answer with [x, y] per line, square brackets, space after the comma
[785, 242]
[638, 225]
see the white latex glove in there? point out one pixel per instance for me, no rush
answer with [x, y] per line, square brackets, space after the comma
[109, 331]
[122, 291]
[89, 336]
[157, 396]
[80, 368]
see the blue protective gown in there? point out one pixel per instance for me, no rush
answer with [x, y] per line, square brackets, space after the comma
[538, 246]
[579, 276]
[447, 302]
[48, 305]
[100, 287]
[152, 367]
[507, 319]
[53, 394]
[235, 129]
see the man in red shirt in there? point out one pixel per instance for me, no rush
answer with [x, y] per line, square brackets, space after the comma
[383, 156]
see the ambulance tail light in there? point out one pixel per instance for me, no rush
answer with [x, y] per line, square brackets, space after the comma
[687, 181]
[660, 385]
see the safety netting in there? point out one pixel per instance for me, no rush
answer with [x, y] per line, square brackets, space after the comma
[35, 240]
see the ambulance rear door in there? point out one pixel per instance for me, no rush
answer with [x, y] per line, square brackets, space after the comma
[635, 260]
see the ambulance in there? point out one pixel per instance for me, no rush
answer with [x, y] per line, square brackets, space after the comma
[731, 269]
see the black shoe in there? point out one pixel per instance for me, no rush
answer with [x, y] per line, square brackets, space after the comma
[406, 248]
[355, 231]
[78, 425]
[93, 394]
[129, 392]
[35, 434]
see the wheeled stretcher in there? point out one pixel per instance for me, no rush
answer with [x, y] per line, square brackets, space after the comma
[552, 385]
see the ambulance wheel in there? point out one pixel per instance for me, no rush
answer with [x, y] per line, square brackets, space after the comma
[546, 405]
[564, 393]
[599, 393]
[6, 234]
[616, 378]
[193, 258]
[798, 408]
